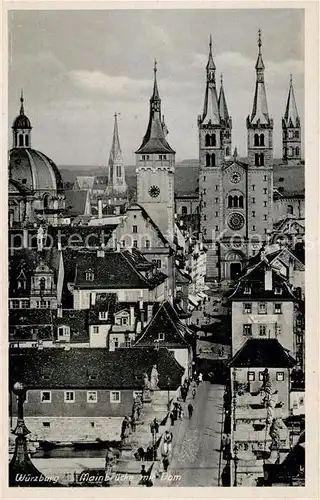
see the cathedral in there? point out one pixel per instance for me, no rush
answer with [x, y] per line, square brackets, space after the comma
[236, 197]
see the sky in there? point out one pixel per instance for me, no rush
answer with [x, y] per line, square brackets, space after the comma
[77, 68]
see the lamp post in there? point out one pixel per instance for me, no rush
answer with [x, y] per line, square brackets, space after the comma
[168, 385]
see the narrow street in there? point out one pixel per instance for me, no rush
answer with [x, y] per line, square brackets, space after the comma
[196, 443]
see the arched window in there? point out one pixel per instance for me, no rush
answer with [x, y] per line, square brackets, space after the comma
[297, 151]
[27, 141]
[256, 159]
[256, 139]
[290, 209]
[261, 139]
[296, 134]
[42, 283]
[230, 201]
[207, 160]
[213, 160]
[46, 201]
[208, 141]
[235, 201]
[261, 160]
[213, 140]
[184, 210]
[240, 201]
[20, 140]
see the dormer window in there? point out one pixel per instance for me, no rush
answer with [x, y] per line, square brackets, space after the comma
[89, 276]
[160, 336]
[103, 315]
[247, 290]
[278, 290]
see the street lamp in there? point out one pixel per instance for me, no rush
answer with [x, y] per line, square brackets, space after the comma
[168, 385]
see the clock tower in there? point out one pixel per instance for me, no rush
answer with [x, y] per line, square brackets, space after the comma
[155, 163]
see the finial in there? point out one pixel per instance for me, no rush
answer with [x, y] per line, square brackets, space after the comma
[221, 78]
[290, 78]
[259, 41]
[235, 153]
[210, 44]
[21, 101]
[155, 67]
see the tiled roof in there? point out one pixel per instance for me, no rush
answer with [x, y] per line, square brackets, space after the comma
[291, 178]
[166, 321]
[146, 216]
[254, 278]
[32, 317]
[76, 201]
[121, 369]
[262, 353]
[114, 270]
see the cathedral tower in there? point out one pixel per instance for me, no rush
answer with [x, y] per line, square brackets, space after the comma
[21, 128]
[291, 130]
[116, 175]
[259, 124]
[225, 120]
[155, 164]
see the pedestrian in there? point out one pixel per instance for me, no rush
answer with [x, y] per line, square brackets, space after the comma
[156, 425]
[200, 377]
[144, 475]
[179, 408]
[172, 419]
[182, 414]
[194, 393]
[133, 424]
[165, 463]
[190, 410]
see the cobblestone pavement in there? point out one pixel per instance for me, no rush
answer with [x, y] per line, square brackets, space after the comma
[196, 442]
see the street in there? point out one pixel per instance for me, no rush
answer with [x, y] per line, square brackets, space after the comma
[196, 443]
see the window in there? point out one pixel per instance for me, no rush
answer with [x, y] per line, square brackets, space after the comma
[290, 209]
[253, 213]
[118, 170]
[184, 210]
[204, 217]
[261, 139]
[45, 396]
[115, 397]
[261, 376]
[240, 201]
[95, 329]
[92, 396]
[123, 243]
[217, 228]
[204, 204]
[69, 397]
[299, 339]
[265, 230]
[213, 160]
[148, 243]
[253, 200]
[217, 214]
[103, 315]
[262, 309]
[15, 304]
[278, 290]
[265, 178]
[217, 200]
[116, 342]
[280, 376]
[63, 330]
[262, 330]
[253, 187]
[256, 159]
[128, 343]
[207, 160]
[24, 304]
[265, 204]
[253, 228]
[296, 134]
[46, 424]
[135, 243]
[204, 231]
[247, 290]
[297, 151]
[160, 336]
[89, 276]
[217, 187]
[251, 376]
[261, 159]
[27, 141]
[277, 330]
[277, 308]
[136, 394]
[43, 304]
[204, 178]
[204, 191]
[256, 140]
[247, 330]
[20, 140]
[265, 217]
[134, 229]
[247, 308]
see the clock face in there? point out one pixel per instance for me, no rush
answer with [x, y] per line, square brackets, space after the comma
[235, 177]
[236, 221]
[154, 191]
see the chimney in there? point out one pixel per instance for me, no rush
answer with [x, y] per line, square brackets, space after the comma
[132, 318]
[93, 298]
[118, 246]
[100, 209]
[101, 252]
[268, 279]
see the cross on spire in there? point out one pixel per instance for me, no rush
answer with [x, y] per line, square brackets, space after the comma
[155, 67]
[290, 78]
[221, 78]
[22, 101]
[210, 44]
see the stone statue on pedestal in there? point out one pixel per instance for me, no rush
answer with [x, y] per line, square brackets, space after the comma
[154, 379]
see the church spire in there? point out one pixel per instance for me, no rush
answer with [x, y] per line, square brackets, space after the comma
[21, 128]
[115, 153]
[154, 140]
[260, 112]
[211, 108]
[223, 109]
[21, 105]
[291, 116]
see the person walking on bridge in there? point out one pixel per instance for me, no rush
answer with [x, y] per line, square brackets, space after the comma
[190, 410]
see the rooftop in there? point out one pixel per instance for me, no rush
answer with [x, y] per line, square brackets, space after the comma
[262, 353]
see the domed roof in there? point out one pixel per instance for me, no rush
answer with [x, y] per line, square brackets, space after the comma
[21, 121]
[34, 170]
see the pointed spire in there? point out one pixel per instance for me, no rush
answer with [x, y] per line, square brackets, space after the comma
[154, 140]
[211, 107]
[235, 153]
[223, 109]
[260, 106]
[291, 115]
[115, 153]
[21, 105]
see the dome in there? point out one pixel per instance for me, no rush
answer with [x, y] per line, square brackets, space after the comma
[21, 121]
[34, 170]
